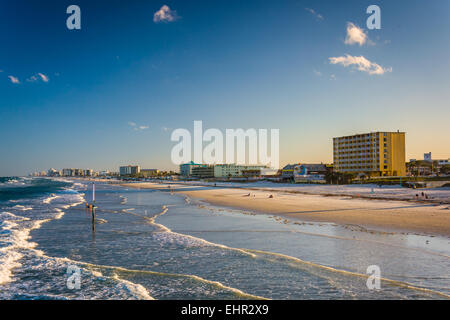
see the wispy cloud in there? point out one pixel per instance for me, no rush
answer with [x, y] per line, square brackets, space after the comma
[314, 13]
[355, 35]
[317, 73]
[360, 63]
[332, 77]
[165, 14]
[136, 127]
[37, 77]
[43, 77]
[14, 79]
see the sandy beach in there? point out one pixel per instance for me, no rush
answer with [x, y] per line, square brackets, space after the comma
[373, 214]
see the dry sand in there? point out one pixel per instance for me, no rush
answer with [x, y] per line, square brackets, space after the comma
[385, 215]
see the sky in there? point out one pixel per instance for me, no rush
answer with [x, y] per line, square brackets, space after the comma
[112, 92]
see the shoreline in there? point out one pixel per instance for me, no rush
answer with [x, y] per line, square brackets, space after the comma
[380, 214]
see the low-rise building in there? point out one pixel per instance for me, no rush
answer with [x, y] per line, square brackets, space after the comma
[310, 173]
[203, 172]
[233, 170]
[304, 172]
[146, 173]
[186, 168]
[287, 173]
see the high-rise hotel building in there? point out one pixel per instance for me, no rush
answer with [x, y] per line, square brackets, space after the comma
[375, 154]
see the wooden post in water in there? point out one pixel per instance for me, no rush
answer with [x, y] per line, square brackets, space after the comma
[93, 218]
[93, 207]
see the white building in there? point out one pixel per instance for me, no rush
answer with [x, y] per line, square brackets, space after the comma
[52, 172]
[67, 172]
[233, 170]
[129, 170]
[441, 162]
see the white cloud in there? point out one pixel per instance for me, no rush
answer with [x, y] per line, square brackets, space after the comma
[165, 14]
[14, 79]
[136, 127]
[43, 77]
[355, 35]
[332, 77]
[312, 11]
[361, 64]
[317, 73]
[37, 77]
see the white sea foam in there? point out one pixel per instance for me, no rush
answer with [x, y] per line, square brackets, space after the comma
[11, 240]
[15, 230]
[184, 239]
[137, 289]
[124, 199]
[22, 208]
[50, 199]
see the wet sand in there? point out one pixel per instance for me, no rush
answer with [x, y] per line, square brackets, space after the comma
[381, 215]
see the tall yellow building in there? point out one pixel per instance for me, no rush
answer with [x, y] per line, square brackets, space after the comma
[375, 154]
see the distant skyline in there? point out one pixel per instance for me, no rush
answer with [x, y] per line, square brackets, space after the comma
[111, 93]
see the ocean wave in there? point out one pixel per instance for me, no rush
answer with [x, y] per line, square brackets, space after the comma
[135, 288]
[124, 199]
[166, 235]
[15, 239]
[11, 182]
[350, 273]
[50, 199]
[143, 292]
[182, 238]
[22, 208]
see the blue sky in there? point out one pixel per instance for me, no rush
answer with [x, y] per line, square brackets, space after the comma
[68, 97]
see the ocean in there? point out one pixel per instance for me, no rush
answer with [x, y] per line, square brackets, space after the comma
[150, 244]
